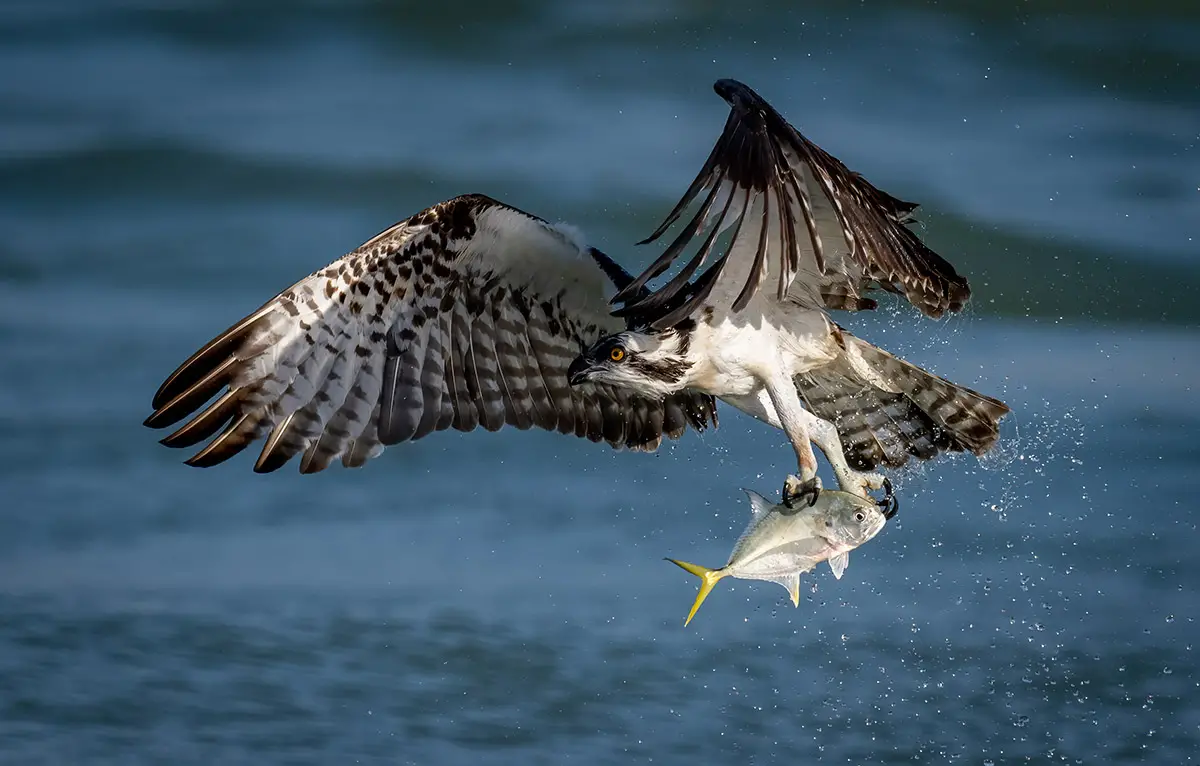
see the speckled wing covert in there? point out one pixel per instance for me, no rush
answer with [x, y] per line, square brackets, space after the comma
[798, 214]
[465, 315]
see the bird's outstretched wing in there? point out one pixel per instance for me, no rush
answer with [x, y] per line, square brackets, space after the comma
[467, 314]
[799, 215]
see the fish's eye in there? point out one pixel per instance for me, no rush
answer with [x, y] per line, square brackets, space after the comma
[860, 516]
[617, 354]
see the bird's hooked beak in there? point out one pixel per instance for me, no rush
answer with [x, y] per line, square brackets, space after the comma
[579, 371]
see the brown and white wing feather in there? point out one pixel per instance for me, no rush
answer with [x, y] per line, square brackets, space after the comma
[887, 410]
[798, 215]
[465, 315]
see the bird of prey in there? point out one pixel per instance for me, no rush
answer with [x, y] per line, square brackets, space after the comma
[473, 313]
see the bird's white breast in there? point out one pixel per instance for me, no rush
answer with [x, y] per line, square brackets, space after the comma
[735, 355]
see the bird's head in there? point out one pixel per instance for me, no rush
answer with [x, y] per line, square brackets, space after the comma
[654, 364]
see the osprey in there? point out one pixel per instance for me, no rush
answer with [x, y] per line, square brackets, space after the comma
[473, 313]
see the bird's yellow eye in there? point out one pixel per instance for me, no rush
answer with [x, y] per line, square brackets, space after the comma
[617, 354]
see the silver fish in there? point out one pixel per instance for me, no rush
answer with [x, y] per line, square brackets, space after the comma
[783, 540]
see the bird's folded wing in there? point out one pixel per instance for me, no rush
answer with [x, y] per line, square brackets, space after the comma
[821, 232]
[467, 314]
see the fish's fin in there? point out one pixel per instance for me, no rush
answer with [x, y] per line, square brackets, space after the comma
[708, 578]
[839, 563]
[759, 508]
[791, 583]
[759, 505]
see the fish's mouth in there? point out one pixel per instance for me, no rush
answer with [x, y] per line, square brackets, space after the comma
[889, 503]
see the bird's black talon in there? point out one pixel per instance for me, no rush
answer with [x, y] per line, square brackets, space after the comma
[889, 504]
[801, 495]
[812, 492]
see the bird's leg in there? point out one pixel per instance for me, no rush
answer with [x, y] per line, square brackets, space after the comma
[802, 490]
[825, 436]
[805, 429]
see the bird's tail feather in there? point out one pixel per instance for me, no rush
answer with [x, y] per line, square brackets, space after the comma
[887, 410]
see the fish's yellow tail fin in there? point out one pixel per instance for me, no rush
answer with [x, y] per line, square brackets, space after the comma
[708, 578]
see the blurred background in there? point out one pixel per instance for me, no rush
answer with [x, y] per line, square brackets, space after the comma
[165, 167]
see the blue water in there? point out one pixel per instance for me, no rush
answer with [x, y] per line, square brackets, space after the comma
[501, 598]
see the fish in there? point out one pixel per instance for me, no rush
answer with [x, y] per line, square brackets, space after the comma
[784, 540]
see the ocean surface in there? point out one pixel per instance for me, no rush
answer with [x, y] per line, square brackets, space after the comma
[501, 598]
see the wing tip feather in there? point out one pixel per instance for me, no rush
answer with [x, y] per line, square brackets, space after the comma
[191, 370]
[748, 154]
